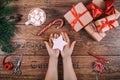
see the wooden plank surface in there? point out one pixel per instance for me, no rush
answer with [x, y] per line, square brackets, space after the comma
[35, 61]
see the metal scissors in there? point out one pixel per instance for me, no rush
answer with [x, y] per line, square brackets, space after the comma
[17, 71]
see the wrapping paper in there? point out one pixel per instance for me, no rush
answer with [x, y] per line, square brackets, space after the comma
[95, 11]
[101, 8]
[99, 3]
[107, 23]
[91, 29]
[78, 17]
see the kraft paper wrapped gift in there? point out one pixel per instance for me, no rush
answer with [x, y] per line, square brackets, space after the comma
[107, 23]
[91, 29]
[78, 17]
[101, 4]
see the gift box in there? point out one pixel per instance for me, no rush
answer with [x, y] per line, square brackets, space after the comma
[117, 13]
[101, 8]
[78, 17]
[107, 23]
[91, 29]
[105, 6]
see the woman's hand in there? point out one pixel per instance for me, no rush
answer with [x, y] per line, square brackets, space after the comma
[68, 49]
[53, 53]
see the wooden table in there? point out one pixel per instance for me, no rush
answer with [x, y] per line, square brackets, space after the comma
[35, 60]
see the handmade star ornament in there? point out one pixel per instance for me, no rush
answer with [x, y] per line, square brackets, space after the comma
[59, 43]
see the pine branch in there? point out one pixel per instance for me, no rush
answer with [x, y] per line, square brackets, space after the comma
[6, 26]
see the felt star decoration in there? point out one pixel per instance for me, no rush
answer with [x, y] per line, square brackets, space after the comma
[59, 43]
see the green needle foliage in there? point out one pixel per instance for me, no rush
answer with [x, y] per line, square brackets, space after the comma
[6, 26]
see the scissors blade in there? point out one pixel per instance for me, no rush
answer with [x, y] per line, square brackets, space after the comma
[20, 60]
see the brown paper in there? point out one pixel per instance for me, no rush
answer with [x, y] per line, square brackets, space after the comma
[85, 19]
[103, 20]
[91, 29]
[99, 3]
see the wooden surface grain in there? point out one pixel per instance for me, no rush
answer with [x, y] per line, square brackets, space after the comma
[35, 60]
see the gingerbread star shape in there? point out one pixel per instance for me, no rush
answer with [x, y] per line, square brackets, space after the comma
[59, 43]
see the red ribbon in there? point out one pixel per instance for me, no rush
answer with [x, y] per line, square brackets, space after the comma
[95, 10]
[106, 23]
[7, 65]
[77, 16]
[109, 4]
[99, 66]
[98, 57]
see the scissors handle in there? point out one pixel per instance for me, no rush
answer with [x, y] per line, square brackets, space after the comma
[17, 70]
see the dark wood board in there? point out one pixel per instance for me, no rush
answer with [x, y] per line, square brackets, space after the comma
[35, 60]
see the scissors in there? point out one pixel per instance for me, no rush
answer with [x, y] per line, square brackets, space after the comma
[17, 71]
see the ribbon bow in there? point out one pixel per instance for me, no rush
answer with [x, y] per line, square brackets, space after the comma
[109, 7]
[77, 16]
[109, 23]
[95, 10]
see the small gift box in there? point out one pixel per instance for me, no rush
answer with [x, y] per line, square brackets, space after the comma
[78, 17]
[91, 29]
[117, 13]
[107, 23]
[101, 8]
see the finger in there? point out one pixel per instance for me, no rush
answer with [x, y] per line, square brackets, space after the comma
[72, 45]
[63, 36]
[50, 40]
[55, 36]
[67, 38]
[47, 45]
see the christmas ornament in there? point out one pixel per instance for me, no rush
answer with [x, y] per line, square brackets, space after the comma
[59, 43]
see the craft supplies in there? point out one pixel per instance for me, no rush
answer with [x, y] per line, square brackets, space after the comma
[17, 71]
[7, 65]
[50, 25]
[98, 57]
[99, 65]
[36, 17]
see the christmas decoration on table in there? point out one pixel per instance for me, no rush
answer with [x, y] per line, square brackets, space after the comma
[6, 26]
[98, 11]
[59, 43]
[105, 18]
[51, 24]
[99, 65]
[7, 65]
[36, 17]
[92, 30]
[107, 23]
[78, 17]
